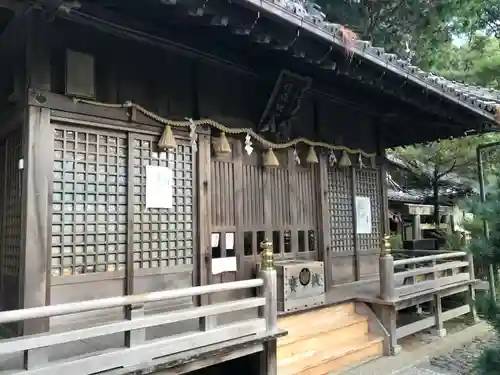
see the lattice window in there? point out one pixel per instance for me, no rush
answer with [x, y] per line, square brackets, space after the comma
[368, 185]
[12, 219]
[163, 237]
[89, 202]
[340, 202]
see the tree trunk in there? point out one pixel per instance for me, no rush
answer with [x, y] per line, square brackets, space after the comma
[435, 198]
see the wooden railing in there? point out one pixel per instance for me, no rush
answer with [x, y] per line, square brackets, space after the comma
[412, 280]
[406, 277]
[136, 351]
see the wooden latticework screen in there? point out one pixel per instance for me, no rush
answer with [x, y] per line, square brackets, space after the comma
[353, 256]
[163, 237]
[104, 239]
[368, 185]
[10, 210]
[341, 210]
[89, 202]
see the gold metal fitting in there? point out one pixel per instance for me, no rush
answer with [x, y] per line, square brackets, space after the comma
[266, 255]
[386, 248]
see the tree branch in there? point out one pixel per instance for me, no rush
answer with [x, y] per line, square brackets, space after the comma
[448, 171]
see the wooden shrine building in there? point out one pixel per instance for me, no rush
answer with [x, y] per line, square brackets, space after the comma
[152, 146]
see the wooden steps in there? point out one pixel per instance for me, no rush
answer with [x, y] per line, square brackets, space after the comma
[325, 340]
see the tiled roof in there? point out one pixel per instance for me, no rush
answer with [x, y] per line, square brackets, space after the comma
[450, 179]
[478, 99]
[454, 187]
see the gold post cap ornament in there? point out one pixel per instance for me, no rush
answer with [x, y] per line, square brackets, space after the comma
[266, 255]
[386, 248]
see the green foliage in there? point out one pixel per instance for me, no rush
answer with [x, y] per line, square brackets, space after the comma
[477, 62]
[453, 241]
[474, 15]
[431, 165]
[488, 362]
[394, 24]
[396, 241]
[426, 31]
[486, 249]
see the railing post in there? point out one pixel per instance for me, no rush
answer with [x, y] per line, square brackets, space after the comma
[471, 294]
[386, 270]
[270, 310]
[137, 336]
[34, 358]
[388, 313]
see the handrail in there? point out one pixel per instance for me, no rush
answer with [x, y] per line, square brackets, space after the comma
[137, 299]
[388, 267]
[422, 251]
[428, 258]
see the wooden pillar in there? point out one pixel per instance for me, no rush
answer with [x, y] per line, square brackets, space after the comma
[386, 264]
[416, 228]
[268, 215]
[471, 292]
[357, 260]
[36, 165]
[292, 193]
[438, 316]
[324, 220]
[388, 316]
[381, 162]
[204, 255]
[270, 311]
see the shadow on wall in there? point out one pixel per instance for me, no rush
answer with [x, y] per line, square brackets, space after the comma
[248, 365]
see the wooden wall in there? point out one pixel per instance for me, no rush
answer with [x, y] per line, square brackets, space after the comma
[104, 242]
[176, 86]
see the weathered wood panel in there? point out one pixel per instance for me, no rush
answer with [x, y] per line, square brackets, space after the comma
[342, 250]
[10, 235]
[253, 197]
[222, 201]
[368, 185]
[280, 197]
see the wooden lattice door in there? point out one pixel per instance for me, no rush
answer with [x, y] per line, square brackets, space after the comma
[353, 256]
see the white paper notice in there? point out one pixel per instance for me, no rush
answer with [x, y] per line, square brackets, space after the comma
[215, 239]
[220, 265]
[229, 241]
[363, 215]
[159, 181]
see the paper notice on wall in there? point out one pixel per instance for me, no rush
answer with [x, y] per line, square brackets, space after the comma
[215, 239]
[220, 265]
[363, 215]
[159, 181]
[229, 241]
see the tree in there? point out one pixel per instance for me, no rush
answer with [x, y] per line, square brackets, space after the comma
[477, 62]
[406, 27]
[478, 15]
[431, 165]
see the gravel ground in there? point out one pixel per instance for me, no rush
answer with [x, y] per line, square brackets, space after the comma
[457, 362]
